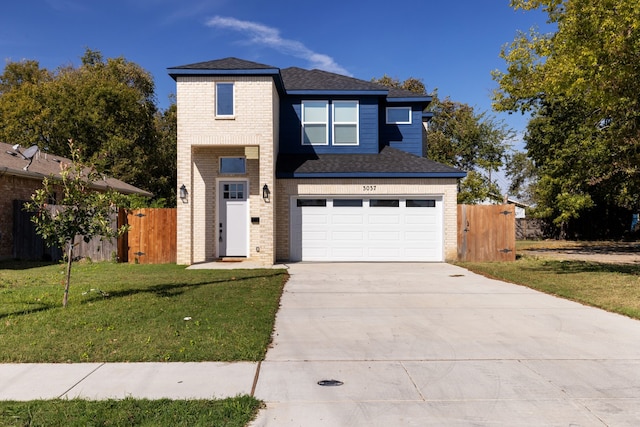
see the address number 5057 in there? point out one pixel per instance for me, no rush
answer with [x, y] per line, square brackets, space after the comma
[368, 188]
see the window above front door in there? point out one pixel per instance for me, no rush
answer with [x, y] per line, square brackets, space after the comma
[233, 165]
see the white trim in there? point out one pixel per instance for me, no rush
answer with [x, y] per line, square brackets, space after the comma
[233, 94]
[398, 108]
[334, 122]
[217, 208]
[304, 122]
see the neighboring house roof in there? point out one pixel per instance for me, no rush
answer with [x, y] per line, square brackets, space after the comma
[42, 165]
[390, 162]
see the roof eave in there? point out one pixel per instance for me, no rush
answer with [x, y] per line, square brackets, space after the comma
[324, 92]
[320, 175]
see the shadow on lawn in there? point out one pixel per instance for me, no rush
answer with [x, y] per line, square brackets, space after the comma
[575, 266]
[168, 290]
[24, 265]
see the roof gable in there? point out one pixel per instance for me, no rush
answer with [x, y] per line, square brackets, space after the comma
[225, 64]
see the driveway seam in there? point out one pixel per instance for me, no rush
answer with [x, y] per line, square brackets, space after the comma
[413, 382]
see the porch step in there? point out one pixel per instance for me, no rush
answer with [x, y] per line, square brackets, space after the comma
[232, 259]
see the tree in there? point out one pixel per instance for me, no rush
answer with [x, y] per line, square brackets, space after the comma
[107, 106]
[460, 137]
[581, 82]
[85, 212]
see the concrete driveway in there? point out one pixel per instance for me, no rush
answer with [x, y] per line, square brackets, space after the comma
[434, 344]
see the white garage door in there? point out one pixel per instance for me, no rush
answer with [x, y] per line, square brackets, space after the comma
[367, 229]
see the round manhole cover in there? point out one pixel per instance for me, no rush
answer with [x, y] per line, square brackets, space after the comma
[330, 383]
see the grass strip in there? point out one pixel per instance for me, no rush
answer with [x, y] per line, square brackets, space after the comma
[231, 412]
[612, 287]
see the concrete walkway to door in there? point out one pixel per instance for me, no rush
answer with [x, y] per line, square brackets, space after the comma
[433, 344]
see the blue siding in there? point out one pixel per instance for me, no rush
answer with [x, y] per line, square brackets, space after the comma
[291, 127]
[403, 137]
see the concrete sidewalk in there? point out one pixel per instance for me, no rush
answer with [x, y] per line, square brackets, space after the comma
[95, 381]
[433, 344]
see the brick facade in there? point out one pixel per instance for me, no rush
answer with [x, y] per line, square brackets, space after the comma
[203, 139]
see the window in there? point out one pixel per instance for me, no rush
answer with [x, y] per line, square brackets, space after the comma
[347, 203]
[311, 202]
[315, 127]
[398, 115]
[421, 203]
[224, 100]
[233, 165]
[233, 191]
[345, 123]
[384, 203]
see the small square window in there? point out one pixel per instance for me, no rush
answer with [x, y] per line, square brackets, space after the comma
[233, 165]
[398, 115]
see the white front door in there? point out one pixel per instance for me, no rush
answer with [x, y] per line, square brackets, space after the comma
[233, 217]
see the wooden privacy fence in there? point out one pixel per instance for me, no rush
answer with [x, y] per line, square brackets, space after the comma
[151, 238]
[486, 233]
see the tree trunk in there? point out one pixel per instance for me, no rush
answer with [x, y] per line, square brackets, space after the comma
[65, 298]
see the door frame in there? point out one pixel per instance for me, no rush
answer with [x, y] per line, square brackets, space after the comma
[216, 231]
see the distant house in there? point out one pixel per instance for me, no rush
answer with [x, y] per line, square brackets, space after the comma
[21, 173]
[306, 165]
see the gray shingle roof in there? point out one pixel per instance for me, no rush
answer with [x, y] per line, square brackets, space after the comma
[225, 64]
[388, 162]
[295, 78]
[46, 164]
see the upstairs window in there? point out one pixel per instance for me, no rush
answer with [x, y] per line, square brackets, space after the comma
[398, 115]
[345, 123]
[224, 100]
[315, 118]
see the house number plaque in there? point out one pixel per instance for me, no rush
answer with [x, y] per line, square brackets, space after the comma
[369, 188]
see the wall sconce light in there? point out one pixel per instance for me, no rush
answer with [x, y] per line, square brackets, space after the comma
[183, 193]
[266, 193]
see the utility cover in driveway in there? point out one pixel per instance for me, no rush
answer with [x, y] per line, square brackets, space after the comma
[367, 228]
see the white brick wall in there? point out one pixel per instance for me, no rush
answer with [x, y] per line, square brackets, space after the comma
[202, 139]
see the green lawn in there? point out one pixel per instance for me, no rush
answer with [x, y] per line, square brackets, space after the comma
[234, 412]
[613, 287]
[136, 313]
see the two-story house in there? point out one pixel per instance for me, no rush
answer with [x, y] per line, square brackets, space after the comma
[306, 165]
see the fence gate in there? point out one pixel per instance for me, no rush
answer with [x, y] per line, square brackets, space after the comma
[486, 233]
[152, 236]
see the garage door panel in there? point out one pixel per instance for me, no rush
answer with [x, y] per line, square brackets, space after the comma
[360, 232]
[348, 219]
[347, 235]
[420, 219]
[386, 236]
[383, 219]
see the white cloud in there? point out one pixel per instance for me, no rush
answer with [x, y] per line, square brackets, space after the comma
[268, 36]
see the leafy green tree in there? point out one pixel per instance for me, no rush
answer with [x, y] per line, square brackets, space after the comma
[107, 105]
[459, 136]
[83, 212]
[581, 82]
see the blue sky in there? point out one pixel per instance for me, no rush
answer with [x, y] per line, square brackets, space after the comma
[451, 45]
